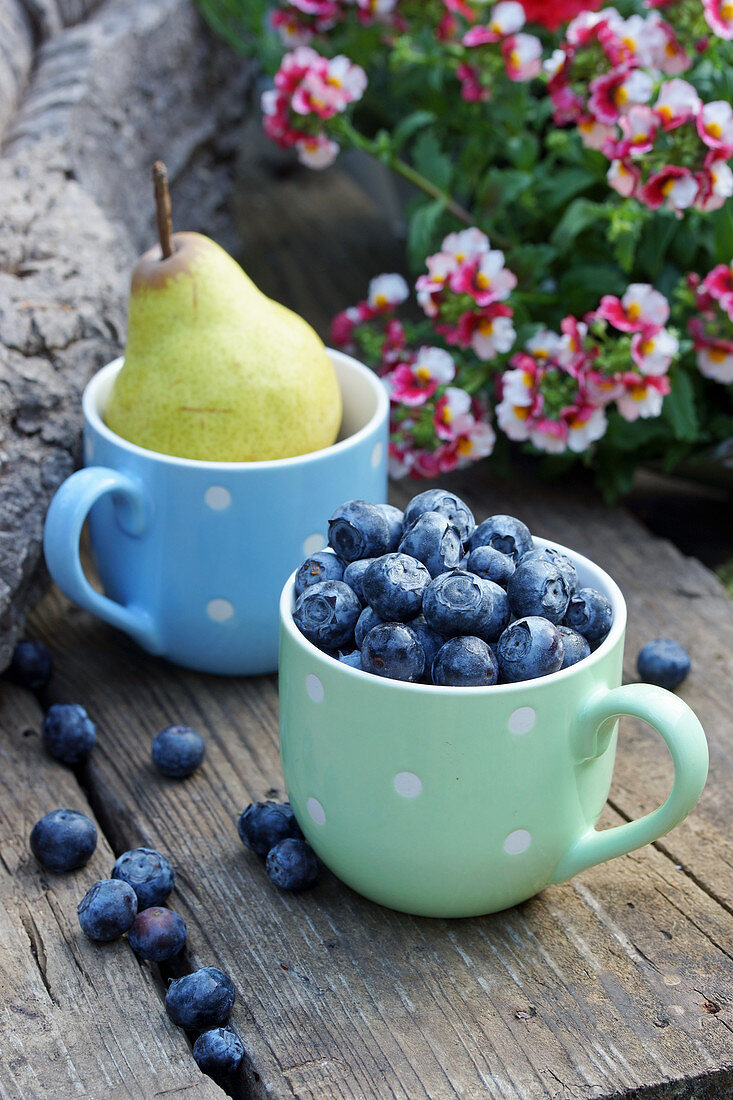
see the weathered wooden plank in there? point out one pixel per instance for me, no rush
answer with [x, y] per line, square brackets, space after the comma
[593, 989]
[78, 1018]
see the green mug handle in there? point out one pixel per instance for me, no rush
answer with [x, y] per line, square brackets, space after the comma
[685, 739]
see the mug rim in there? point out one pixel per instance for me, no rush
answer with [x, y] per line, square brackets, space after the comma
[93, 417]
[614, 636]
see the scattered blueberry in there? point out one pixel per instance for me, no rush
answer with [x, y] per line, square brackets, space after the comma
[353, 659]
[537, 587]
[149, 874]
[366, 622]
[447, 504]
[465, 662]
[354, 576]
[590, 613]
[157, 934]
[262, 825]
[561, 561]
[200, 1000]
[394, 586]
[178, 751]
[393, 650]
[31, 665]
[429, 640]
[107, 910]
[529, 648]
[504, 533]
[322, 566]
[292, 865]
[490, 564]
[218, 1052]
[68, 733]
[663, 662]
[575, 646]
[434, 541]
[395, 520]
[459, 603]
[63, 840]
[359, 530]
[327, 613]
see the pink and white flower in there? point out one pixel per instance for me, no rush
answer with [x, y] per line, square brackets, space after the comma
[638, 128]
[715, 186]
[614, 93]
[719, 285]
[654, 351]
[449, 411]
[467, 244]
[522, 55]
[715, 360]
[715, 127]
[624, 178]
[595, 134]
[642, 397]
[387, 292]
[587, 424]
[677, 103]
[506, 18]
[641, 308]
[413, 383]
[317, 151]
[492, 334]
[486, 279]
[673, 186]
[719, 16]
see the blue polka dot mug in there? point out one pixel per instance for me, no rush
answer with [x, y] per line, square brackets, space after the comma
[454, 802]
[193, 555]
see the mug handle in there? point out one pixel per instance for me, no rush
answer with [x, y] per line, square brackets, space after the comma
[685, 739]
[64, 521]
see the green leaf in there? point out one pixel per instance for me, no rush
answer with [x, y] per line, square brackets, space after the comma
[559, 187]
[580, 215]
[431, 161]
[410, 125]
[679, 407]
[422, 229]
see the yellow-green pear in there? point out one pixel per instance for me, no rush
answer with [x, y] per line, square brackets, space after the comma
[213, 368]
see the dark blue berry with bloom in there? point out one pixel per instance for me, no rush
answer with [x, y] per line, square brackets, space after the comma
[31, 665]
[178, 751]
[354, 576]
[218, 1052]
[663, 662]
[505, 533]
[157, 934]
[327, 613]
[322, 566]
[262, 825]
[68, 733]
[465, 662]
[63, 840]
[393, 650]
[575, 646]
[200, 1000]
[149, 874]
[537, 587]
[490, 564]
[359, 530]
[292, 865]
[107, 910]
[434, 541]
[394, 585]
[590, 613]
[529, 648]
[447, 504]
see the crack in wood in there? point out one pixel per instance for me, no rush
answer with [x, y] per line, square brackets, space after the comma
[38, 951]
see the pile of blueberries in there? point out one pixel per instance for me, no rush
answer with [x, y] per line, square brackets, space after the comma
[270, 830]
[430, 596]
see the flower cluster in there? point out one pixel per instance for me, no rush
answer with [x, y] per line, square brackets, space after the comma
[712, 328]
[558, 388]
[309, 91]
[667, 148]
[520, 53]
[553, 13]
[298, 22]
[464, 294]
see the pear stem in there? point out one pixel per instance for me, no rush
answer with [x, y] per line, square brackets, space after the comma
[163, 208]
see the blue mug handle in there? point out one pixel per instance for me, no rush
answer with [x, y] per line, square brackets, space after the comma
[64, 521]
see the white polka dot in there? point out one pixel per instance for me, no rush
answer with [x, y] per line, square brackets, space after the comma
[314, 543]
[314, 687]
[517, 842]
[522, 720]
[377, 454]
[316, 810]
[407, 784]
[219, 610]
[218, 498]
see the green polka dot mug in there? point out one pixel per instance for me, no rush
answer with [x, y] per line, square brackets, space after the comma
[454, 802]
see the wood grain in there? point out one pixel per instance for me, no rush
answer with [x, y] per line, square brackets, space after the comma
[78, 1018]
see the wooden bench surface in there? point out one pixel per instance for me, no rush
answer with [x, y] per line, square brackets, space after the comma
[617, 983]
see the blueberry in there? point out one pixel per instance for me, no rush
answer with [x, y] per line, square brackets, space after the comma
[434, 541]
[504, 533]
[461, 603]
[663, 662]
[538, 588]
[323, 566]
[218, 1052]
[561, 561]
[429, 640]
[447, 504]
[178, 751]
[327, 613]
[31, 665]
[107, 910]
[157, 934]
[465, 662]
[590, 613]
[148, 873]
[490, 564]
[394, 586]
[262, 825]
[354, 576]
[395, 522]
[292, 865]
[63, 840]
[366, 622]
[393, 650]
[359, 530]
[68, 733]
[575, 646]
[529, 648]
[200, 1000]
[353, 660]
